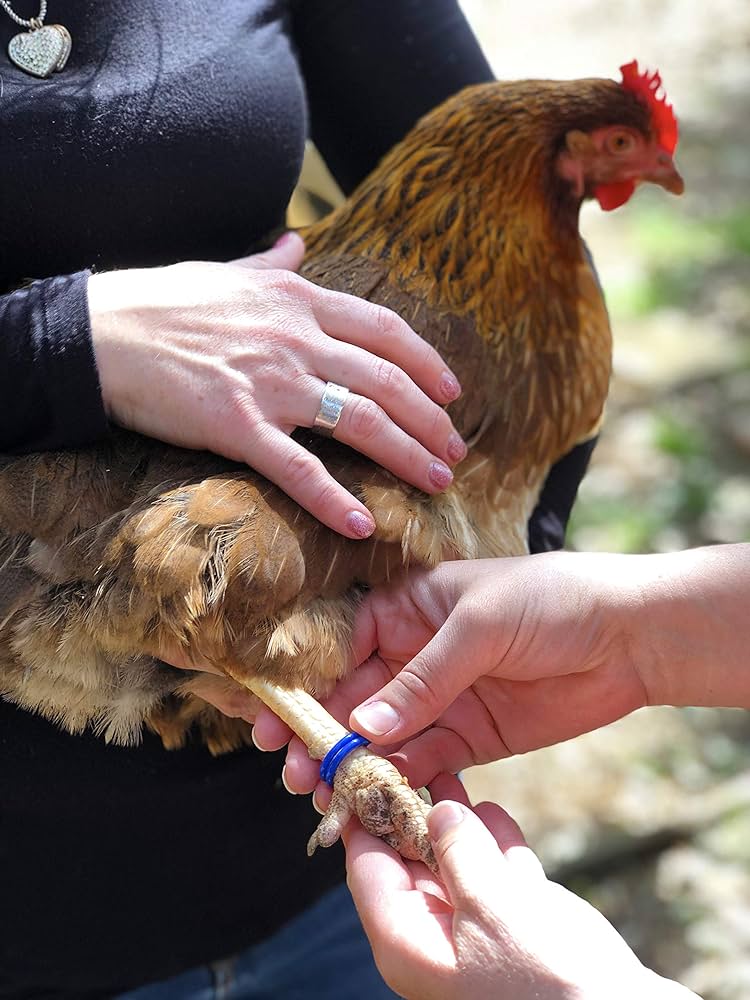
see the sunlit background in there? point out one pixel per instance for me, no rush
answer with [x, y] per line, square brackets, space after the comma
[650, 818]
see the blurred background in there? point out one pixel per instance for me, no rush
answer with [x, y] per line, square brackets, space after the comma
[650, 818]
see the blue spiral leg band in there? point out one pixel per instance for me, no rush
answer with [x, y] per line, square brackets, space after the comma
[330, 763]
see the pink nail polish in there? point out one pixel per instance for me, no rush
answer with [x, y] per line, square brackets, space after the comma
[456, 448]
[360, 524]
[450, 386]
[440, 475]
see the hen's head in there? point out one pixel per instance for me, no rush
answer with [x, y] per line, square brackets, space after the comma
[609, 160]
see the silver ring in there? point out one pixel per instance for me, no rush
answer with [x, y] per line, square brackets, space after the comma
[329, 412]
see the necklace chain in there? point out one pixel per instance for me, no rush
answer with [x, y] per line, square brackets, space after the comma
[32, 22]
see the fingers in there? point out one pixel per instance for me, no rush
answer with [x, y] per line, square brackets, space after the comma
[270, 732]
[511, 841]
[384, 334]
[286, 254]
[435, 750]
[448, 786]
[303, 477]
[302, 773]
[398, 379]
[370, 861]
[413, 444]
[395, 394]
[471, 846]
[471, 864]
[224, 694]
[448, 664]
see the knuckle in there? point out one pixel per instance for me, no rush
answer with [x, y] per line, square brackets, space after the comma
[440, 423]
[430, 359]
[387, 378]
[421, 688]
[388, 324]
[286, 284]
[299, 469]
[239, 413]
[366, 419]
[327, 495]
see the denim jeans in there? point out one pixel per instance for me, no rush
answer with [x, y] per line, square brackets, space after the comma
[322, 954]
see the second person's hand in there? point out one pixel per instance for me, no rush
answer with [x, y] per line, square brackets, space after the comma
[497, 928]
[478, 660]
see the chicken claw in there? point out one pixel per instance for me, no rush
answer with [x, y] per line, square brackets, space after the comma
[365, 785]
[372, 789]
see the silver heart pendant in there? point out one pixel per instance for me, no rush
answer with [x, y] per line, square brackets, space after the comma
[41, 51]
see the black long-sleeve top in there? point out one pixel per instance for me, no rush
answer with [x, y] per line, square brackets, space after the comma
[176, 131]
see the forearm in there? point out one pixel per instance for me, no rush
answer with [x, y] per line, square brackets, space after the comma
[690, 633]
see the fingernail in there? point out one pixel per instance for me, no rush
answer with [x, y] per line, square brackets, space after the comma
[456, 448]
[255, 741]
[360, 524]
[283, 239]
[316, 806]
[440, 475]
[377, 718]
[450, 386]
[283, 781]
[444, 817]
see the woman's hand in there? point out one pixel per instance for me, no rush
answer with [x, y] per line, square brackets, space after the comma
[506, 655]
[498, 929]
[496, 657]
[232, 357]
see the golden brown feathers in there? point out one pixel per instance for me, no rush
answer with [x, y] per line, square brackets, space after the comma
[107, 554]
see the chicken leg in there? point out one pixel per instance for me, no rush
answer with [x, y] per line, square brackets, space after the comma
[365, 785]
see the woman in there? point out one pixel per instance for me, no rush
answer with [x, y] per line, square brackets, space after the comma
[172, 137]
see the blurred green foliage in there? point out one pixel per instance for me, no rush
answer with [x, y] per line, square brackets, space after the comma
[673, 467]
[681, 252]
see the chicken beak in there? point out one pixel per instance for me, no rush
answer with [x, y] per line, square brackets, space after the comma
[665, 174]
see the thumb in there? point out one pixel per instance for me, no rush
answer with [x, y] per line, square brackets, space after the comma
[449, 664]
[471, 863]
[285, 255]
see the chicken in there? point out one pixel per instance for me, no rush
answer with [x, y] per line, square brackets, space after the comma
[469, 230]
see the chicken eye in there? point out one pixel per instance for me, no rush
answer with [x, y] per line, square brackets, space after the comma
[620, 142]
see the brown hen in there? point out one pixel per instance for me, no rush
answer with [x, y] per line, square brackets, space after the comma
[469, 230]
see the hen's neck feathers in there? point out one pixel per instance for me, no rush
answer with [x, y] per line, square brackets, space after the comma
[469, 205]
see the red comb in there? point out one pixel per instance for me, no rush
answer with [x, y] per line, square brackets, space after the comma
[645, 87]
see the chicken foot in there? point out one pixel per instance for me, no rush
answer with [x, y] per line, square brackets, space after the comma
[365, 785]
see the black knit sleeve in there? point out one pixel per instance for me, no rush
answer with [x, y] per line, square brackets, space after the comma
[49, 388]
[373, 67]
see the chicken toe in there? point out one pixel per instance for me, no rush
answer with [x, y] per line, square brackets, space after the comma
[365, 785]
[373, 790]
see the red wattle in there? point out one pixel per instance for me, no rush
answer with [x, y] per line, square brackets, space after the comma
[611, 196]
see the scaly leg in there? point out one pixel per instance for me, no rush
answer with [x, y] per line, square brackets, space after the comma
[365, 785]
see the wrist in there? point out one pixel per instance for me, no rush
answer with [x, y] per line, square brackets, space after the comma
[688, 612]
[119, 334]
[102, 324]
